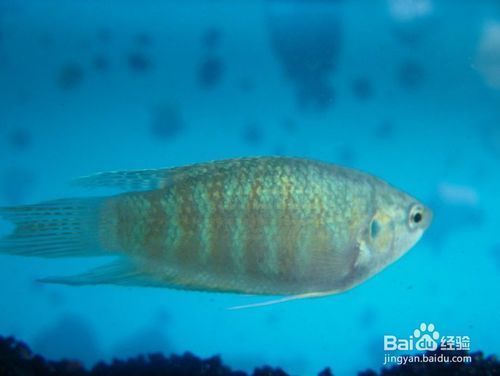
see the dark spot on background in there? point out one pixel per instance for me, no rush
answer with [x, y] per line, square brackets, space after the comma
[306, 37]
[139, 62]
[253, 134]
[362, 88]
[16, 185]
[410, 75]
[384, 130]
[167, 122]
[210, 72]
[211, 67]
[100, 63]
[211, 38]
[367, 318]
[71, 337]
[19, 139]
[70, 76]
[163, 317]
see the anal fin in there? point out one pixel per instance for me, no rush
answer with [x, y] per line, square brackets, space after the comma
[117, 273]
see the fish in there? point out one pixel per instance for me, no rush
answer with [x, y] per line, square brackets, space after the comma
[278, 226]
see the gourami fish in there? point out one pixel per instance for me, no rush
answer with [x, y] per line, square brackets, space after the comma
[263, 225]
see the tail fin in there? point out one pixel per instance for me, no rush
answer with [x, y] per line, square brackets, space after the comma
[60, 228]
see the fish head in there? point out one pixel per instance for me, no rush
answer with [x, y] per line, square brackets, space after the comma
[396, 225]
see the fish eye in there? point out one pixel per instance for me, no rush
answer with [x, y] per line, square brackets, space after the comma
[416, 215]
[374, 228]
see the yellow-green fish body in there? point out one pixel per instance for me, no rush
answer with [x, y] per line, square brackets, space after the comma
[270, 225]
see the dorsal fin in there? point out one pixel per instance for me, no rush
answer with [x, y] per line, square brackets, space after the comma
[143, 180]
[139, 180]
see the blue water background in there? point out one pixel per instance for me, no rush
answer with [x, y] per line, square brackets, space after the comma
[406, 90]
